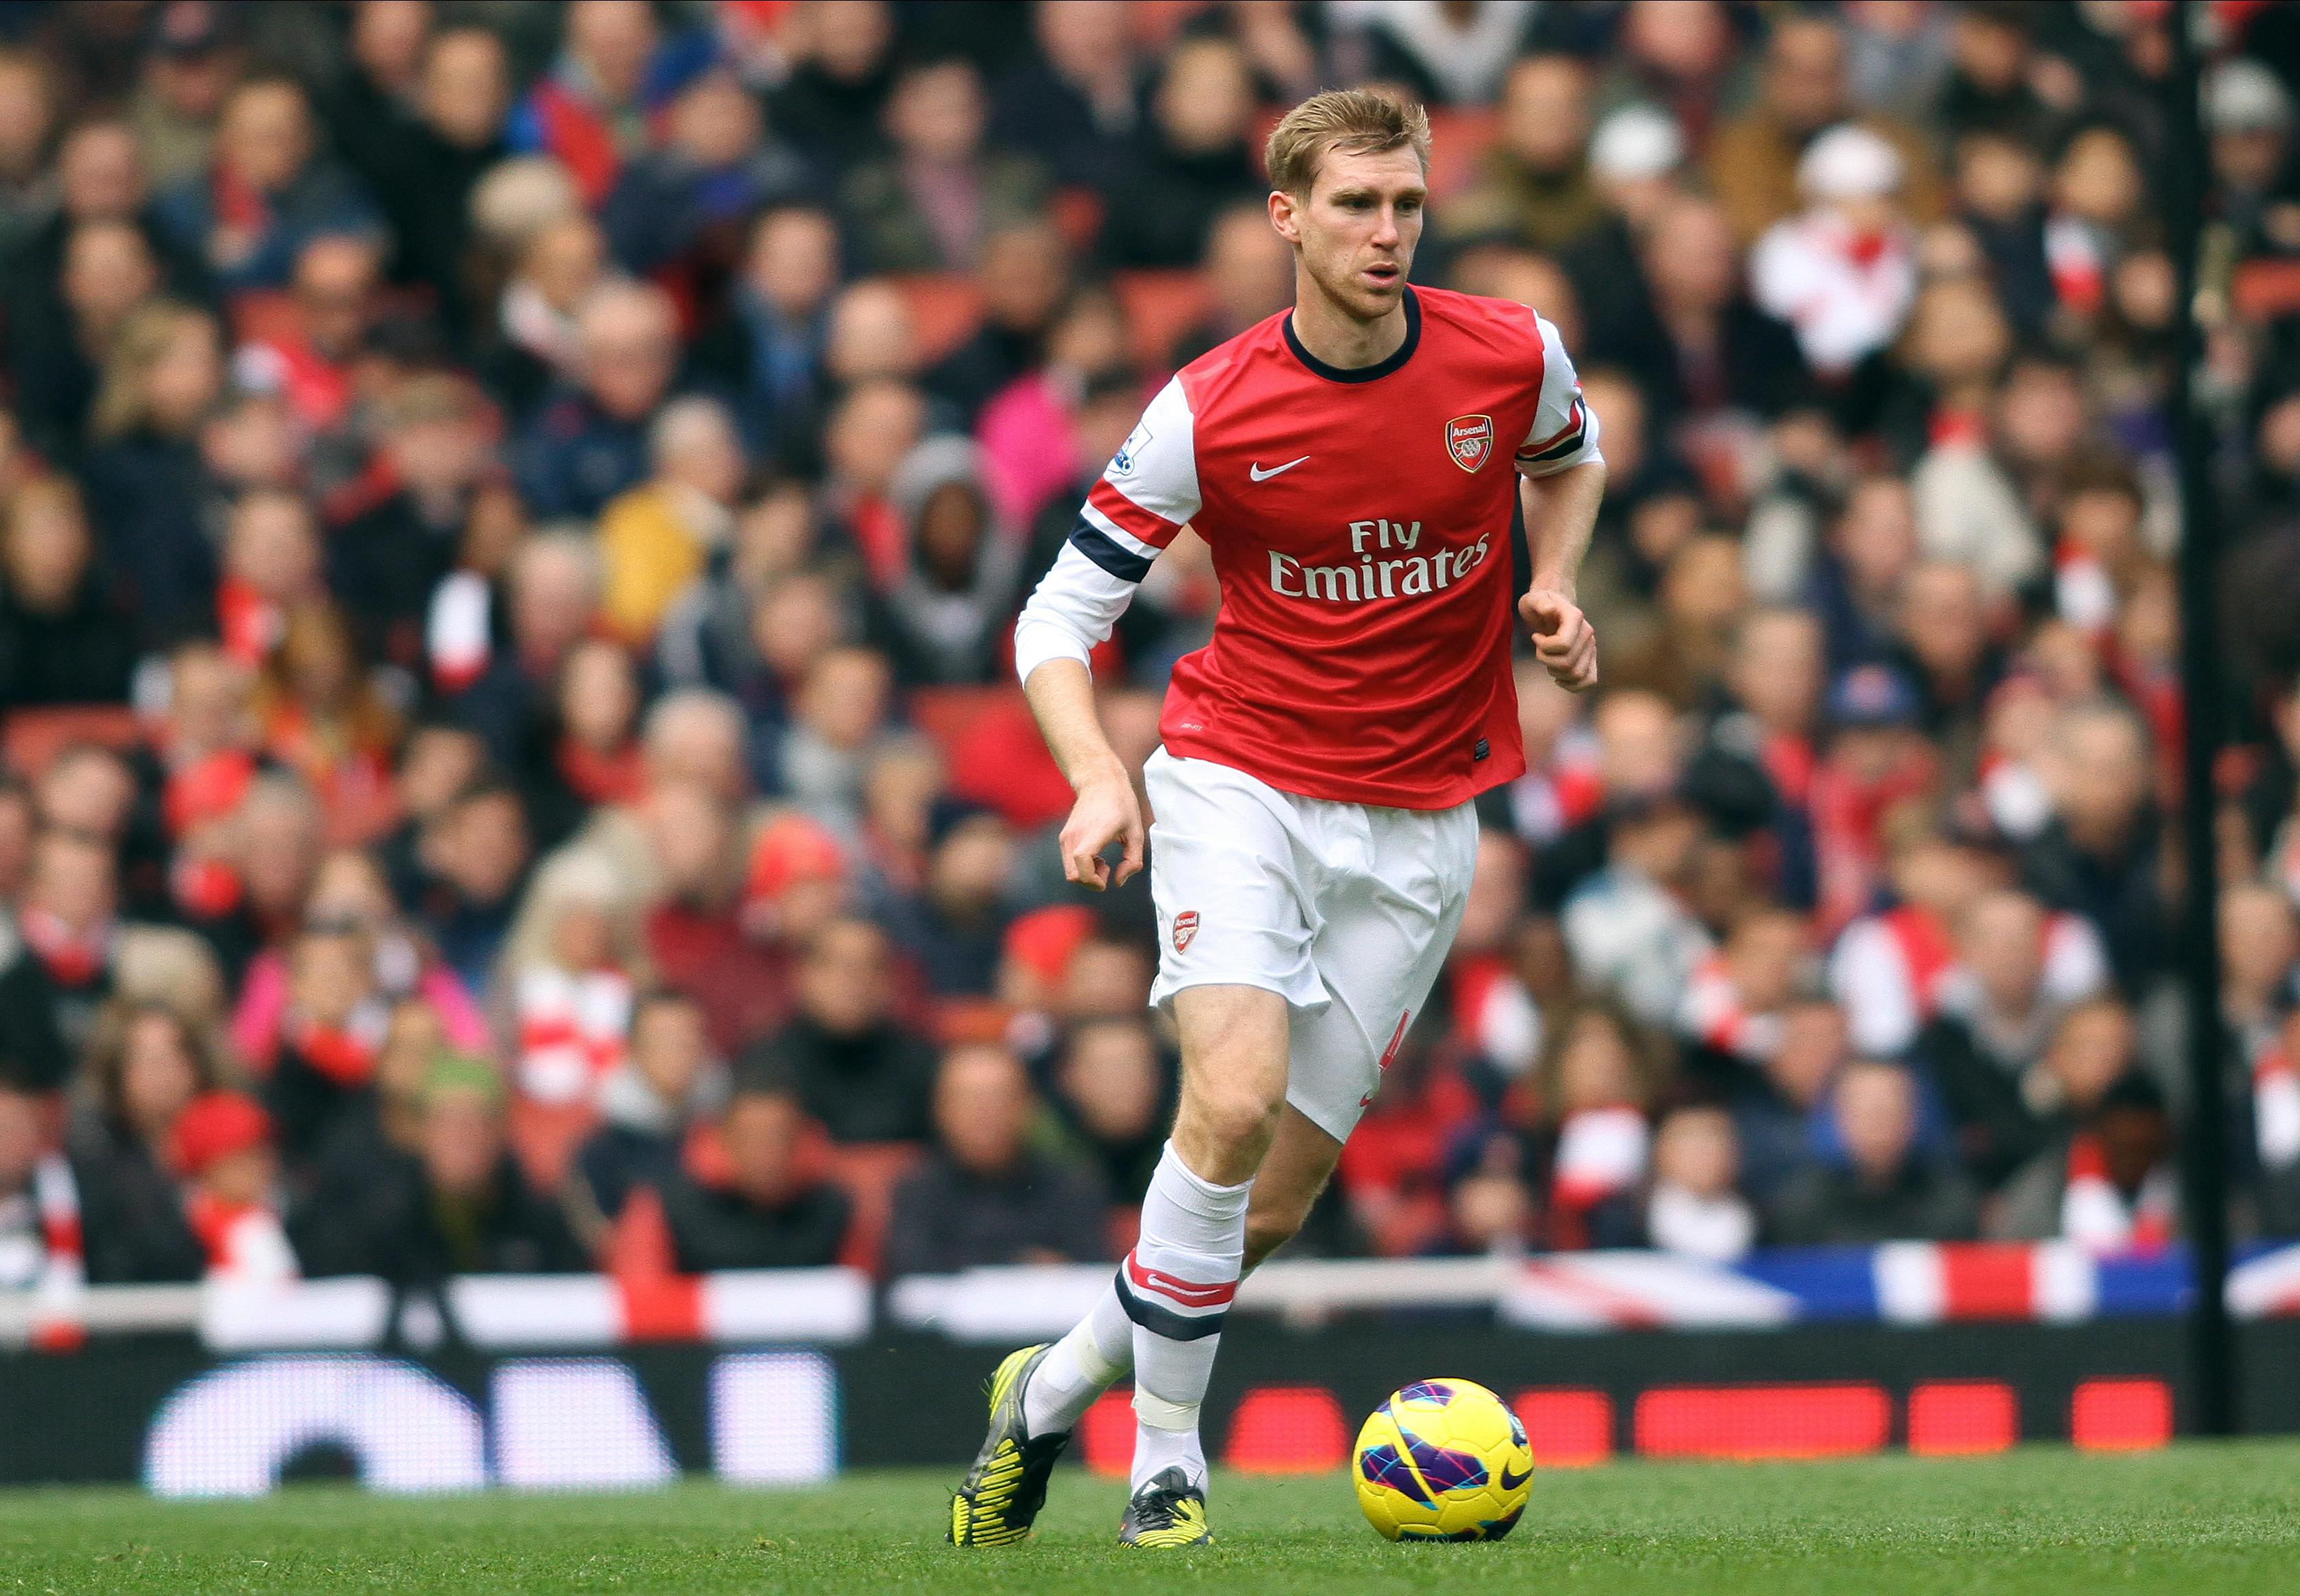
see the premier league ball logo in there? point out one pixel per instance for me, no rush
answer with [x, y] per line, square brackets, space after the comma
[1469, 439]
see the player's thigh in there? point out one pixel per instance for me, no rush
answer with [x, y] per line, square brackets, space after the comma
[1226, 878]
[1234, 1049]
[1382, 940]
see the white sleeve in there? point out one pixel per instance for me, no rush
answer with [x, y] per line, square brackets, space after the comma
[1564, 432]
[1145, 495]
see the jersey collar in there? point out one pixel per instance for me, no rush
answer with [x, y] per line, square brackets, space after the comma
[1381, 368]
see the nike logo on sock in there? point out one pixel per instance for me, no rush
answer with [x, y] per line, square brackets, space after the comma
[1259, 475]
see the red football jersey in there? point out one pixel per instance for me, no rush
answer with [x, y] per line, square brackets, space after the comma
[1359, 522]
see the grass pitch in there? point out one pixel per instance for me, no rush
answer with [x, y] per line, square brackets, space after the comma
[2219, 1518]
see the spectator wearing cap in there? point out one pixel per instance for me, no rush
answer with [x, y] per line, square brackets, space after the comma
[649, 1105]
[1887, 1189]
[795, 882]
[761, 1210]
[587, 444]
[936, 198]
[1843, 270]
[461, 1205]
[192, 58]
[658, 536]
[223, 1148]
[1627, 927]
[1534, 185]
[1876, 761]
[2109, 1185]
[269, 189]
[146, 1067]
[1802, 91]
[854, 1066]
[984, 1195]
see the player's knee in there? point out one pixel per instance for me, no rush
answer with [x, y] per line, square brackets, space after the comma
[1235, 1118]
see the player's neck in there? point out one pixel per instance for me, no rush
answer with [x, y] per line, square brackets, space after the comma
[1339, 339]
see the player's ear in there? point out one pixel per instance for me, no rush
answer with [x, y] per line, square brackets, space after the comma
[1283, 209]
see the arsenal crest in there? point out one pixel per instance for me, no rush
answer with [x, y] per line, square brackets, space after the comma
[1469, 439]
[1186, 927]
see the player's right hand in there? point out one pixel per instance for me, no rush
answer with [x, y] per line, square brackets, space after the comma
[1106, 812]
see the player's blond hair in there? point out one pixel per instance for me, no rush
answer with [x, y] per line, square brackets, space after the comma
[1356, 122]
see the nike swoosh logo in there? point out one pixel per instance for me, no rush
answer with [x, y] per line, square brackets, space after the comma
[1259, 475]
[1510, 1482]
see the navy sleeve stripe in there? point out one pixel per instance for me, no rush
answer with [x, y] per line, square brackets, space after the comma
[1557, 451]
[1098, 546]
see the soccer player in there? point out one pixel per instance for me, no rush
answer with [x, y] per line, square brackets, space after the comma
[1314, 832]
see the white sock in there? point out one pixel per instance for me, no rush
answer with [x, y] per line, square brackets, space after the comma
[1084, 1364]
[1176, 1285]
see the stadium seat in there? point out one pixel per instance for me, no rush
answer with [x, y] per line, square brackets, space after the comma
[34, 737]
[945, 310]
[543, 1137]
[1160, 307]
[1077, 213]
[2264, 290]
[867, 1172]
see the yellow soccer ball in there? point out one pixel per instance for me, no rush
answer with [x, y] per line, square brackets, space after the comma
[1442, 1460]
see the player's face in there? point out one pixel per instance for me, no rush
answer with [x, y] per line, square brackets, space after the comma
[1356, 231]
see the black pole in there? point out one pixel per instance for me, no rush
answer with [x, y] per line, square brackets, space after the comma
[2205, 1168]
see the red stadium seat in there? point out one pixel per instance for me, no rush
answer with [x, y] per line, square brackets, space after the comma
[1160, 307]
[1077, 213]
[867, 1172]
[2264, 290]
[34, 737]
[945, 310]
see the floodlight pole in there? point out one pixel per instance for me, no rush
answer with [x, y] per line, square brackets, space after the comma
[2211, 1352]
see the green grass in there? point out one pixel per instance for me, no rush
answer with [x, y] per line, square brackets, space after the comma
[2223, 1520]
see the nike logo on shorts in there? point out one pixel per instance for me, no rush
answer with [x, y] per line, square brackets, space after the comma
[1259, 475]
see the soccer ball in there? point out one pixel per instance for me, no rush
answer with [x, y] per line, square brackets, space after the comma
[1442, 1460]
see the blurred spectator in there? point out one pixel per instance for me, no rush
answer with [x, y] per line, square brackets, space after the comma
[831, 102]
[553, 594]
[269, 190]
[1534, 185]
[461, 1206]
[1597, 1082]
[586, 445]
[574, 983]
[764, 1212]
[587, 754]
[2110, 1187]
[1887, 1188]
[931, 202]
[656, 538]
[331, 1034]
[31, 1219]
[1801, 92]
[192, 57]
[536, 343]
[1629, 930]
[61, 636]
[62, 963]
[769, 345]
[1192, 160]
[223, 1144]
[105, 271]
[1112, 1087]
[1842, 271]
[590, 112]
[1075, 105]
[984, 1196]
[1025, 277]
[146, 1067]
[1692, 1206]
[477, 853]
[854, 1066]
[1730, 1015]
[1776, 1112]
[681, 206]
[308, 361]
[944, 619]
[669, 1084]
[2098, 858]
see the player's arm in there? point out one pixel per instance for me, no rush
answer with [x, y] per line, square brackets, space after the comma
[1564, 482]
[1149, 490]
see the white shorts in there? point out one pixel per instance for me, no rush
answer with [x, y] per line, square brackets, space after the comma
[1343, 910]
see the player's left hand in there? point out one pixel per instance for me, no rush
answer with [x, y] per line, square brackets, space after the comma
[1563, 640]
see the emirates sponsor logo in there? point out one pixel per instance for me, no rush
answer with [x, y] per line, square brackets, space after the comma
[1389, 563]
[1469, 440]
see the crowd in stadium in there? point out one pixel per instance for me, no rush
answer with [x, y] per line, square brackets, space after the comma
[513, 517]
